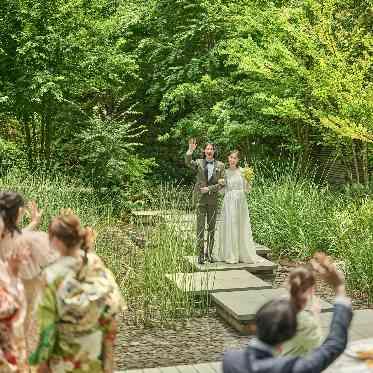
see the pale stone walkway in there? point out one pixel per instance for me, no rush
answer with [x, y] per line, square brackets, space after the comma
[238, 291]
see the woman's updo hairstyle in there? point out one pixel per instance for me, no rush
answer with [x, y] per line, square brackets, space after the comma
[10, 204]
[300, 280]
[66, 227]
[235, 152]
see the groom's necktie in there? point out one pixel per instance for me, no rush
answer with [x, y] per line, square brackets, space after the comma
[210, 169]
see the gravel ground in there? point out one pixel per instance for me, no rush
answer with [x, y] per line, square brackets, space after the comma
[195, 340]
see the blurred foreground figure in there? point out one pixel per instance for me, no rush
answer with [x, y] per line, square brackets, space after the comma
[302, 294]
[79, 305]
[12, 317]
[31, 245]
[276, 323]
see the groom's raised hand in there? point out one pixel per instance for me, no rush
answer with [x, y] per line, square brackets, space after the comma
[192, 145]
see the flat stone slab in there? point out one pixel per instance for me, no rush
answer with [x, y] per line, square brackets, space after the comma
[261, 265]
[214, 367]
[242, 305]
[262, 250]
[361, 325]
[148, 217]
[213, 282]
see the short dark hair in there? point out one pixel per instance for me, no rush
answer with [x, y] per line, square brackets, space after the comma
[214, 147]
[276, 321]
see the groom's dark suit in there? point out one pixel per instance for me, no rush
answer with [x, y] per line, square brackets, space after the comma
[206, 203]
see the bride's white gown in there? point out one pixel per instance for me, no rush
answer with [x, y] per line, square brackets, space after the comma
[233, 238]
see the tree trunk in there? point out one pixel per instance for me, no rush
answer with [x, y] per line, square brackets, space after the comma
[28, 143]
[303, 134]
[355, 161]
[48, 139]
[42, 142]
[364, 156]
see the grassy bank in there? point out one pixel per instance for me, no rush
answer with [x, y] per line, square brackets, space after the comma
[139, 270]
[296, 217]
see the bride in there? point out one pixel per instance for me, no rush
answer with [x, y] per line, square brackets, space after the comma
[234, 241]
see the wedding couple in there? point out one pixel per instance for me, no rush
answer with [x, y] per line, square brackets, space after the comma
[232, 241]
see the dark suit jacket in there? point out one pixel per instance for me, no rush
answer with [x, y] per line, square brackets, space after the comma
[199, 166]
[258, 357]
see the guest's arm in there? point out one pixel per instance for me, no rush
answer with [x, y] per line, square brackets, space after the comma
[334, 344]
[35, 216]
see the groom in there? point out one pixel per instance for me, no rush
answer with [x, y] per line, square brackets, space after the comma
[205, 195]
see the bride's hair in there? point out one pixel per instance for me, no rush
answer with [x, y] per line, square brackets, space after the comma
[235, 152]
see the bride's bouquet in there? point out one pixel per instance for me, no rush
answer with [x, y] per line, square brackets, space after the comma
[248, 173]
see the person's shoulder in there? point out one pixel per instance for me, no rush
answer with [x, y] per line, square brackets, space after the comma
[235, 361]
[220, 164]
[32, 237]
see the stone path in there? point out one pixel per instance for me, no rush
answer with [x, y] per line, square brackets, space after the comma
[237, 294]
[217, 281]
[196, 368]
[238, 308]
[261, 265]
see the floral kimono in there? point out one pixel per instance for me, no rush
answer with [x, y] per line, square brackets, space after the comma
[34, 246]
[76, 313]
[12, 317]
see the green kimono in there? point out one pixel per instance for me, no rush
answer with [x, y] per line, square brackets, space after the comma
[75, 313]
[308, 337]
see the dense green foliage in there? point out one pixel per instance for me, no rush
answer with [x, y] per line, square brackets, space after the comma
[107, 93]
[83, 84]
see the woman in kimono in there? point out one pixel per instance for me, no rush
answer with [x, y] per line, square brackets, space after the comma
[80, 303]
[32, 245]
[12, 317]
[302, 294]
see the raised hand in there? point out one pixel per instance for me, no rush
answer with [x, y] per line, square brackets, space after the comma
[325, 266]
[192, 145]
[35, 215]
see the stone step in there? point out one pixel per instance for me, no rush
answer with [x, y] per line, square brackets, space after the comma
[216, 281]
[147, 217]
[361, 326]
[238, 308]
[214, 367]
[261, 265]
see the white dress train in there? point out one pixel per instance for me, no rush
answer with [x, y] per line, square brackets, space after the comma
[233, 237]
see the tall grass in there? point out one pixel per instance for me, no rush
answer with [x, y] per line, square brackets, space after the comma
[295, 217]
[290, 213]
[140, 271]
[168, 243]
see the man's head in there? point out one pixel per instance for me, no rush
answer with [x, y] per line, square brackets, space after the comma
[276, 322]
[209, 151]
